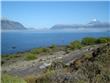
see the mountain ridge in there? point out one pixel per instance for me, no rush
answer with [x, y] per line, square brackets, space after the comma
[11, 25]
[91, 24]
[14, 25]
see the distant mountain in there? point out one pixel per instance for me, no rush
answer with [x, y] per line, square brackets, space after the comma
[63, 26]
[92, 24]
[97, 24]
[11, 25]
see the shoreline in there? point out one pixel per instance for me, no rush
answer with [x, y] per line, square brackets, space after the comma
[32, 49]
[58, 46]
[32, 40]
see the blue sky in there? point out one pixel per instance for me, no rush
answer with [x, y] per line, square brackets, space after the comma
[46, 14]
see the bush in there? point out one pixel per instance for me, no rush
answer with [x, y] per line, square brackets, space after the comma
[88, 41]
[75, 45]
[103, 40]
[30, 56]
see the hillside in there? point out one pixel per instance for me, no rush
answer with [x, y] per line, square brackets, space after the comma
[11, 25]
[90, 68]
[85, 61]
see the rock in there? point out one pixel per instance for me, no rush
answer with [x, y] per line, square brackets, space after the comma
[44, 65]
[60, 57]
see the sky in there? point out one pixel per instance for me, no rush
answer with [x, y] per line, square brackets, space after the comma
[39, 15]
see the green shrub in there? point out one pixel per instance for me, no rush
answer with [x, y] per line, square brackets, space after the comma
[88, 41]
[103, 40]
[30, 56]
[75, 45]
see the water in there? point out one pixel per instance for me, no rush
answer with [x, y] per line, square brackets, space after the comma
[13, 42]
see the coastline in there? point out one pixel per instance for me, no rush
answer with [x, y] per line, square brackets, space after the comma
[37, 61]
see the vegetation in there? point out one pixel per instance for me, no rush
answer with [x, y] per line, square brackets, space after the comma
[87, 56]
[75, 45]
[88, 41]
[52, 46]
[90, 68]
[30, 79]
[44, 78]
[103, 40]
[91, 40]
[30, 56]
[8, 56]
[39, 50]
[11, 79]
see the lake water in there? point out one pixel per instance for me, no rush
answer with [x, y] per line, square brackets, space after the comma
[27, 40]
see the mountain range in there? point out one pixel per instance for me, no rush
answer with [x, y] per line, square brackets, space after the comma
[92, 24]
[13, 25]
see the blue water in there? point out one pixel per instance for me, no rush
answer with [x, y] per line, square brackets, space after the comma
[27, 40]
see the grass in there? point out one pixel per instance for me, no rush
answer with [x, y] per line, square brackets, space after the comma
[30, 79]
[11, 79]
[30, 56]
[9, 56]
[39, 50]
[43, 78]
[87, 56]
